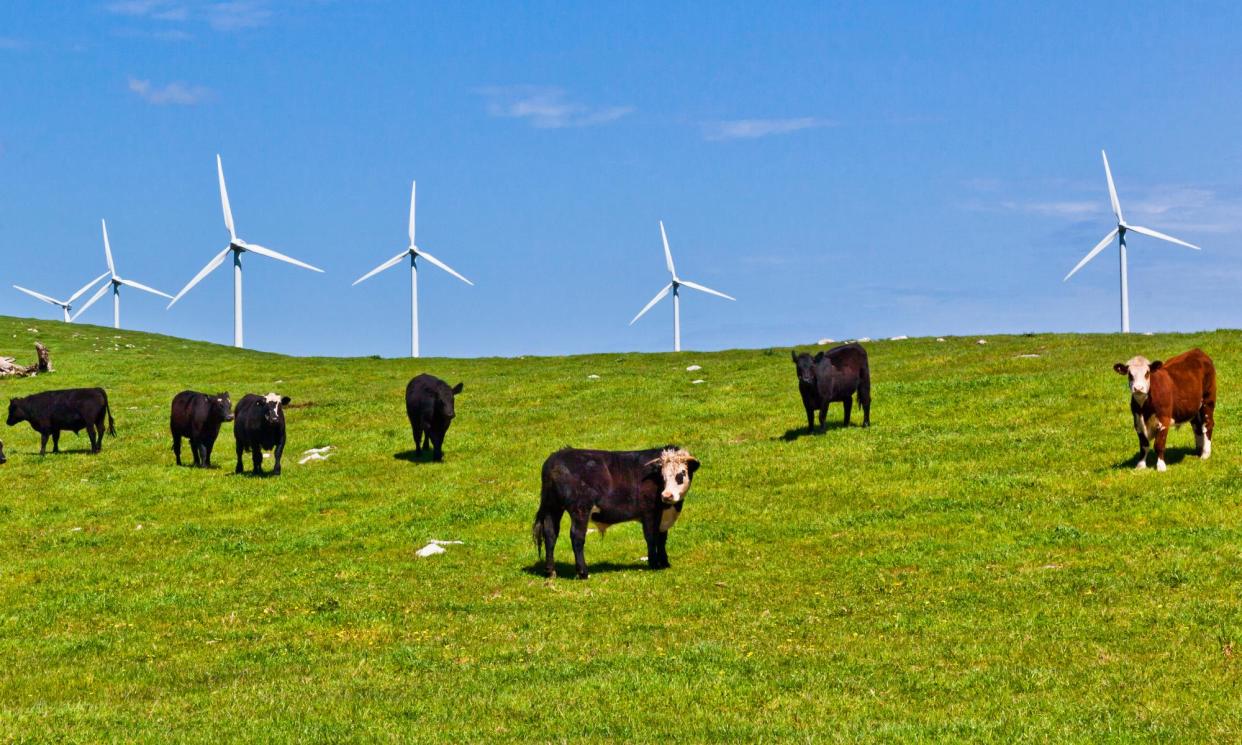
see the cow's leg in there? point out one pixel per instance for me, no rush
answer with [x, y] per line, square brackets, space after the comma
[848, 403]
[240, 452]
[1208, 413]
[550, 525]
[1161, 436]
[662, 541]
[177, 448]
[864, 400]
[1144, 443]
[823, 415]
[418, 438]
[651, 531]
[1196, 425]
[280, 450]
[577, 538]
[207, 448]
[56, 441]
[810, 418]
[256, 456]
[196, 452]
[90, 435]
[43, 443]
[437, 445]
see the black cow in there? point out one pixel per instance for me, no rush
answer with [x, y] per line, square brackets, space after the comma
[835, 375]
[3, 459]
[198, 416]
[608, 487]
[52, 412]
[429, 402]
[258, 425]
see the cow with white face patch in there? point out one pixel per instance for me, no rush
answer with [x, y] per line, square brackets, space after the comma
[258, 425]
[1163, 394]
[607, 487]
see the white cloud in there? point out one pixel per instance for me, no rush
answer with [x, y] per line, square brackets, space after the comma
[226, 15]
[749, 129]
[547, 107]
[176, 93]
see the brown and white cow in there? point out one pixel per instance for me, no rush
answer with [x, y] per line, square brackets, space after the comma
[1162, 394]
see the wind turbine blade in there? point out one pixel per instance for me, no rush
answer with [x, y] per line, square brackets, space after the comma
[144, 288]
[216, 261]
[386, 265]
[412, 184]
[279, 256]
[443, 266]
[659, 296]
[89, 303]
[708, 290]
[224, 199]
[40, 296]
[86, 287]
[668, 255]
[107, 248]
[1098, 248]
[1112, 189]
[1161, 236]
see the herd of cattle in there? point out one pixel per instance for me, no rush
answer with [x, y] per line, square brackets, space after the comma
[600, 487]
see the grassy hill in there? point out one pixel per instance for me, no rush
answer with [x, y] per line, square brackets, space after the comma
[981, 564]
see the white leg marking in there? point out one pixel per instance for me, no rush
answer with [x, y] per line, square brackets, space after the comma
[1142, 462]
[1160, 466]
[1207, 448]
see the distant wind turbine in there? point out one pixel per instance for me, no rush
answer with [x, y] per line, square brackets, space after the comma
[237, 247]
[675, 286]
[114, 283]
[414, 252]
[1119, 233]
[64, 305]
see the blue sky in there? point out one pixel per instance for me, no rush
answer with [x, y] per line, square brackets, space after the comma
[844, 170]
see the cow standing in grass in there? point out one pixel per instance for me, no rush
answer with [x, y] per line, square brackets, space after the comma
[607, 487]
[258, 425]
[3, 459]
[74, 409]
[197, 417]
[431, 406]
[1179, 390]
[835, 375]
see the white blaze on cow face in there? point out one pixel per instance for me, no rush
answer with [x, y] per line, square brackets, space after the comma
[274, 401]
[677, 469]
[1138, 370]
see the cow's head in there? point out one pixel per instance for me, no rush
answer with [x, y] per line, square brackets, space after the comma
[271, 408]
[222, 406]
[1139, 371]
[15, 411]
[675, 468]
[2, 458]
[447, 404]
[805, 364]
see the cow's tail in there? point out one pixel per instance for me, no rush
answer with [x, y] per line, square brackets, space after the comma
[536, 534]
[111, 421]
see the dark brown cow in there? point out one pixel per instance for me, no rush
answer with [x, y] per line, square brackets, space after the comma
[197, 417]
[431, 406]
[608, 487]
[74, 409]
[1162, 394]
[835, 375]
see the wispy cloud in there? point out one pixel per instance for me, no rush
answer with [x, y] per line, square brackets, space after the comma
[545, 107]
[749, 129]
[227, 15]
[175, 93]
[12, 44]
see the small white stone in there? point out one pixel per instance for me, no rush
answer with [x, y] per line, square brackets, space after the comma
[865, 338]
[692, 368]
[430, 549]
[1028, 356]
[982, 341]
[899, 338]
[696, 382]
[824, 342]
[592, 377]
[939, 338]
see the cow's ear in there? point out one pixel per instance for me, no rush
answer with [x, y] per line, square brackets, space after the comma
[285, 400]
[457, 388]
[693, 464]
[1121, 368]
[1155, 366]
[819, 358]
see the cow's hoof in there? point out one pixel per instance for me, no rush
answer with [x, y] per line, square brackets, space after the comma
[1160, 466]
[583, 575]
[276, 472]
[1141, 465]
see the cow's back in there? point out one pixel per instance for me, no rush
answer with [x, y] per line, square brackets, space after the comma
[187, 408]
[68, 408]
[1184, 383]
[421, 394]
[595, 474]
[248, 420]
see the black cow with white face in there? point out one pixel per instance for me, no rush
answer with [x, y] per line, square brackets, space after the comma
[835, 375]
[258, 425]
[431, 406]
[607, 487]
[197, 417]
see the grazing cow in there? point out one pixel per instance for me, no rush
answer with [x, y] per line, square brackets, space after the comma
[198, 416]
[3, 459]
[258, 425]
[1178, 390]
[52, 412]
[609, 487]
[835, 375]
[429, 402]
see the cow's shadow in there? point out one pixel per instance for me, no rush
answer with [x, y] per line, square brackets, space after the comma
[68, 451]
[799, 432]
[1171, 457]
[413, 456]
[567, 571]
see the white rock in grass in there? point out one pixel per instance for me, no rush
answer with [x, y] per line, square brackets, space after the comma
[899, 338]
[982, 341]
[696, 382]
[692, 368]
[865, 338]
[438, 542]
[430, 549]
[939, 338]
[1028, 356]
[311, 457]
[592, 377]
[824, 342]
[322, 451]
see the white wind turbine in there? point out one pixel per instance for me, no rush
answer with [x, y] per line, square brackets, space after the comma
[414, 252]
[1119, 232]
[114, 283]
[237, 247]
[675, 286]
[64, 305]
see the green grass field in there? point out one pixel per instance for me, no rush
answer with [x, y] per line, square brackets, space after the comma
[981, 564]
